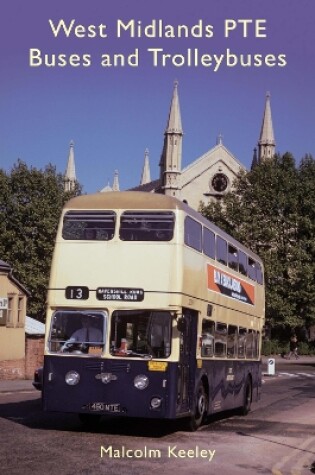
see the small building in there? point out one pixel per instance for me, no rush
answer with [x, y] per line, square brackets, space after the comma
[13, 299]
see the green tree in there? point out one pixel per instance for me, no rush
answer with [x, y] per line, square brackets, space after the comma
[304, 290]
[31, 208]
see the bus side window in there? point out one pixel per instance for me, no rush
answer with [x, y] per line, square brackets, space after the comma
[255, 344]
[221, 250]
[193, 234]
[232, 257]
[242, 332]
[220, 342]
[207, 338]
[242, 262]
[249, 344]
[260, 278]
[232, 341]
[251, 269]
[208, 243]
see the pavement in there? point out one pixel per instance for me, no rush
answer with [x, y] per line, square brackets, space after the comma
[25, 385]
[284, 360]
[17, 385]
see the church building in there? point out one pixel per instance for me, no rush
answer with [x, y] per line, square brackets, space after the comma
[206, 179]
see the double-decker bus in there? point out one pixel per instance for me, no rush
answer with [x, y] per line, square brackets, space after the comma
[153, 312]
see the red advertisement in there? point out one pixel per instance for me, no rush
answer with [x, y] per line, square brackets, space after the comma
[229, 285]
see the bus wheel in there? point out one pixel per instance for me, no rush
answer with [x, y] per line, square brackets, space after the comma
[248, 392]
[89, 420]
[201, 408]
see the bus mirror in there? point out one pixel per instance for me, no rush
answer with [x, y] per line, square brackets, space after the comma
[181, 325]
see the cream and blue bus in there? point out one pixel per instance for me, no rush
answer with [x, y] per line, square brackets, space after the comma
[152, 312]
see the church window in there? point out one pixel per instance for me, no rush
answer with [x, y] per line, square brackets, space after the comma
[219, 182]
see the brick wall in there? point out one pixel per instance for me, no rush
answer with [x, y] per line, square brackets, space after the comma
[12, 369]
[34, 355]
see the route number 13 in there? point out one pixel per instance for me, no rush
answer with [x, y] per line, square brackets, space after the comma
[77, 293]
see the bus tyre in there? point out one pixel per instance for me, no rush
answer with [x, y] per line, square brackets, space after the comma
[248, 392]
[201, 408]
[89, 420]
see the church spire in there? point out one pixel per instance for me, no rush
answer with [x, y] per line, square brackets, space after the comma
[266, 142]
[70, 176]
[172, 149]
[146, 176]
[174, 124]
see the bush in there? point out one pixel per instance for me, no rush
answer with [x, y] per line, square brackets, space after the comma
[276, 347]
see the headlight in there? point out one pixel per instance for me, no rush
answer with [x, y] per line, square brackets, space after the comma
[141, 381]
[155, 402]
[72, 378]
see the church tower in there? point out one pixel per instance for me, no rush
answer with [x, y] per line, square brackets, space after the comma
[70, 176]
[171, 158]
[266, 143]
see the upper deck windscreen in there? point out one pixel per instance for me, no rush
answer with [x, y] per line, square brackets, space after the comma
[89, 225]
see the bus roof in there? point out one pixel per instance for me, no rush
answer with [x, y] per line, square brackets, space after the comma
[124, 200]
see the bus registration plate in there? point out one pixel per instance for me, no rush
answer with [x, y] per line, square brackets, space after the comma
[103, 407]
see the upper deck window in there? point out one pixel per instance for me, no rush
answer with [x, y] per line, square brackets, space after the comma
[209, 243]
[233, 257]
[242, 263]
[193, 234]
[89, 225]
[146, 226]
[221, 248]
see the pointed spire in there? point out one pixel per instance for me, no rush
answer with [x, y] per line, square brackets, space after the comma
[220, 139]
[70, 176]
[266, 143]
[116, 181]
[174, 124]
[146, 176]
[171, 158]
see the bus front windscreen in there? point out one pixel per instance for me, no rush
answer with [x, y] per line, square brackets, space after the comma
[141, 333]
[78, 332]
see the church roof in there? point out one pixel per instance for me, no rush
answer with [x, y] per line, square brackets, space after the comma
[208, 160]
[151, 187]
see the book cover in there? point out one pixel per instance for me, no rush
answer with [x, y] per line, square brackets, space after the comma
[94, 87]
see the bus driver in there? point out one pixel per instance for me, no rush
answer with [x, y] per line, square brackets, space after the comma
[87, 333]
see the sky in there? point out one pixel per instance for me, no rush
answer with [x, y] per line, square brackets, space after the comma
[113, 113]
